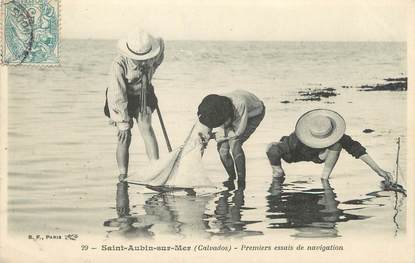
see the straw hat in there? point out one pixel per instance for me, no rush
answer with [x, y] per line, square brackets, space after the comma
[320, 128]
[139, 45]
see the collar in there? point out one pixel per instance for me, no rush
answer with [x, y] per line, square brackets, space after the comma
[130, 64]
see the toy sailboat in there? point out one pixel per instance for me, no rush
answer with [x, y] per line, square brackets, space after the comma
[182, 169]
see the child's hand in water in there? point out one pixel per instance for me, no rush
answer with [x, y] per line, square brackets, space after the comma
[391, 186]
[386, 175]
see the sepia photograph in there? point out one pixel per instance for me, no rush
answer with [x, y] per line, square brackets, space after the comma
[206, 130]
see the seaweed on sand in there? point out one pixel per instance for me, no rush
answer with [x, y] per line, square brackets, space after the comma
[403, 79]
[316, 94]
[368, 130]
[394, 84]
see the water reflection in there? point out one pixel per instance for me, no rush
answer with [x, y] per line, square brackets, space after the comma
[182, 215]
[398, 198]
[310, 212]
[164, 214]
[127, 225]
[313, 213]
[227, 218]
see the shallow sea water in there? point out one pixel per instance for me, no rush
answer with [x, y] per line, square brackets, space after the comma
[62, 169]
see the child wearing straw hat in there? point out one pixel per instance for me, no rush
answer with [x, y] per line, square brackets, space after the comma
[237, 115]
[131, 95]
[319, 137]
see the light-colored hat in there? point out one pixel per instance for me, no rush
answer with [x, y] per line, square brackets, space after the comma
[320, 128]
[139, 45]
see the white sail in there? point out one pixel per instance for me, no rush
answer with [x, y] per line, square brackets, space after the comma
[182, 167]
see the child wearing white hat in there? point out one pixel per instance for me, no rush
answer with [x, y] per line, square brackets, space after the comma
[318, 137]
[130, 94]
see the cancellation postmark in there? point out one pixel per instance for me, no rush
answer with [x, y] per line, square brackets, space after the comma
[30, 32]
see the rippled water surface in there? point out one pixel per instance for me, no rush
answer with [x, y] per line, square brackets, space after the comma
[62, 170]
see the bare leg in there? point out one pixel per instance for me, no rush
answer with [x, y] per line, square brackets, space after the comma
[331, 156]
[149, 137]
[226, 158]
[122, 155]
[239, 159]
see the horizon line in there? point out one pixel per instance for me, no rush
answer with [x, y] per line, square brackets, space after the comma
[247, 40]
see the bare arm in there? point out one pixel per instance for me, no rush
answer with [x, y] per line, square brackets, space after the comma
[329, 163]
[375, 167]
[275, 151]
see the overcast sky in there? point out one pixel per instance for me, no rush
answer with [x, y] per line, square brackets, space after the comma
[297, 20]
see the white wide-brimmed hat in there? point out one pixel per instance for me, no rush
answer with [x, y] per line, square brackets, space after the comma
[320, 128]
[139, 45]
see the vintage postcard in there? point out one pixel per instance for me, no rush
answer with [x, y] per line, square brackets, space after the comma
[186, 131]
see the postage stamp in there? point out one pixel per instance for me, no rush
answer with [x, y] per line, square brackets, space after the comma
[30, 32]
